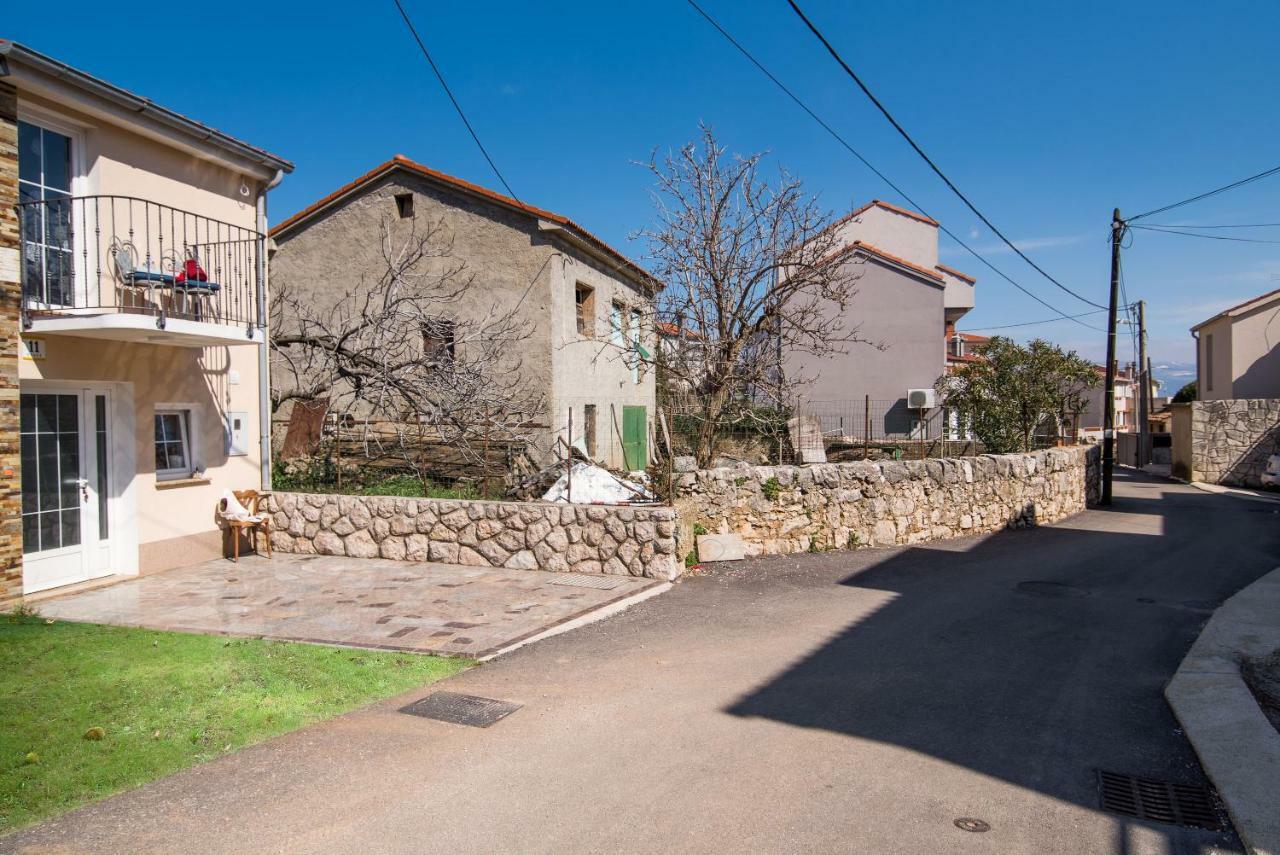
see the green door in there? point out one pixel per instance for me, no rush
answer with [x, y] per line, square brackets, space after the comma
[635, 438]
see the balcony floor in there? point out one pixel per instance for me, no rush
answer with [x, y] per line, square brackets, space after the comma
[141, 328]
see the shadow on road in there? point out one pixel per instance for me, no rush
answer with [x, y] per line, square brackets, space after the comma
[1038, 656]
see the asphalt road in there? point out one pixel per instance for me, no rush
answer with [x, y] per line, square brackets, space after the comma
[844, 702]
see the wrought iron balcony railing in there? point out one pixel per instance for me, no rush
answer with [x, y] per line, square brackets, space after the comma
[86, 255]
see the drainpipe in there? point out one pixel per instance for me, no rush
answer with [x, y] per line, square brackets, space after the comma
[264, 375]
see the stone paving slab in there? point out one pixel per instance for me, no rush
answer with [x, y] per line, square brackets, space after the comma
[391, 605]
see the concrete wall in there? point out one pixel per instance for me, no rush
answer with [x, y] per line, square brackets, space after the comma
[787, 509]
[896, 234]
[900, 312]
[175, 521]
[1229, 441]
[511, 260]
[518, 535]
[589, 369]
[1255, 353]
[1217, 387]
[1180, 450]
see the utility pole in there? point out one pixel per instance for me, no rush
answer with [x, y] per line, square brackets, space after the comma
[1143, 371]
[1109, 396]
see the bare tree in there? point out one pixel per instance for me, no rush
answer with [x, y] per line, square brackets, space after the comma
[412, 358]
[753, 271]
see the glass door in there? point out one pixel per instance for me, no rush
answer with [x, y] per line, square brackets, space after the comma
[65, 489]
[44, 189]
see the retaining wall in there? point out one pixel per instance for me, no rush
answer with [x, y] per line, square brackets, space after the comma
[785, 509]
[1226, 442]
[517, 535]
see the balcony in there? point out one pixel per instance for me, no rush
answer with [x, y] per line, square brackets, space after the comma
[127, 269]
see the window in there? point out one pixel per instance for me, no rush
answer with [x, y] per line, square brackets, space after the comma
[404, 205]
[44, 183]
[617, 318]
[584, 298]
[589, 428]
[439, 341]
[634, 329]
[1208, 363]
[173, 444]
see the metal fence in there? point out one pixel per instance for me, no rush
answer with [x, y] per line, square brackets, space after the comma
[818, 431]
[123, 254]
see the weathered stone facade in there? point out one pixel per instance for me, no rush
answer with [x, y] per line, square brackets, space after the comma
[10, 301]
[785, 509]
[1232, 439]
[518, 535]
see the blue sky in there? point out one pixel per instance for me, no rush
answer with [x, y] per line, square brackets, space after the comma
[1046, 115]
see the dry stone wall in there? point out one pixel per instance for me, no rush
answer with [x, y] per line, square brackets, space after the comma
[1231, 440]
[624, 541]
[786, 509]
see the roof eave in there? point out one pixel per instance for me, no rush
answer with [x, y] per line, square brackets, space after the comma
[12, 52]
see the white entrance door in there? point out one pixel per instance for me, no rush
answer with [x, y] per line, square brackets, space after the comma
[66, 487]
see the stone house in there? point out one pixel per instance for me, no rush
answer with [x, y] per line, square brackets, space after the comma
[1238, 351]
[133, 361]
[906, 302]
[586, 304]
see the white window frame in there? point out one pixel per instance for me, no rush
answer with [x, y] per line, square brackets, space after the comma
[81, 185]
[190, 429]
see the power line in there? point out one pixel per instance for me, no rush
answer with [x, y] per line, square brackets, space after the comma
[1203, 237]
[1233, 185]
[456, 105]
[902, 131]
[1234, 226]
[1032, 323]
[843, 142]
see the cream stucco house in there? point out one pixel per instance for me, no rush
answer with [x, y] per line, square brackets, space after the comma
[133, 272]
[1238, 351]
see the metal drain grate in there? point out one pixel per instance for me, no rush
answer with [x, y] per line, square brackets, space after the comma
[470, 710]
[600, 583]
[1159, 801]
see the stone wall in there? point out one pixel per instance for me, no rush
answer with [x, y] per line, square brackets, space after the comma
[1231, 440]
[786, 509]
[10, 299]
[517, 535]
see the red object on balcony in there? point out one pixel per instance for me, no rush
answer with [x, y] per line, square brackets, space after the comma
[191, 272]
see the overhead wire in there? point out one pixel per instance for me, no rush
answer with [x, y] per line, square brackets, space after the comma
[1233, 185]
[848, 147]
[928, 160]
[456, 106]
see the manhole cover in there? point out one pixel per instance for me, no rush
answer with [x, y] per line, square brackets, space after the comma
[600, 583]
[1051, 589]
[1159, 801]
[461, 709]
[968, 823]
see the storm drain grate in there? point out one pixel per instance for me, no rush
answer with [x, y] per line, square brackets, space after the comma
[1159, 801]
[600, 583]
[470, 710]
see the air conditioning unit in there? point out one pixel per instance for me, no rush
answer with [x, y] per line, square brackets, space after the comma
[920, 399]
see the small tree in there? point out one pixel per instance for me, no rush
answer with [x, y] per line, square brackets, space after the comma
[752, 272]
[1186, 394]
[412, 358]
[1013, 388]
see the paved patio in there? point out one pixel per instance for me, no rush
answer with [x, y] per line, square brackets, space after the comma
[392, 605]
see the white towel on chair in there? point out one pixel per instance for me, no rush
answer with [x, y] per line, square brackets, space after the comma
[233, 510]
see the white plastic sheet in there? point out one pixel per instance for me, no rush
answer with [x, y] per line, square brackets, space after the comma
[591, 484]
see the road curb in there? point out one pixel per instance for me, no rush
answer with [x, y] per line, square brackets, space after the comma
[607, 610]
[1237, 746]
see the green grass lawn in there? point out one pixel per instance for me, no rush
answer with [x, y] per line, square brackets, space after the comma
[164, 701]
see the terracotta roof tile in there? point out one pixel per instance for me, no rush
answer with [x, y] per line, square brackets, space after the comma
[956, 273]
[871, 249]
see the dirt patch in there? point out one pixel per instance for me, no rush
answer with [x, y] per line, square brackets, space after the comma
[1262, 675]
